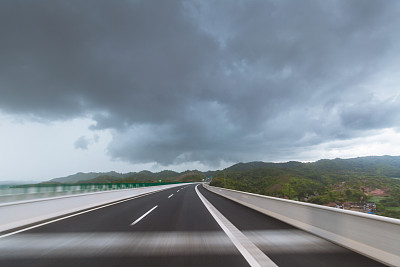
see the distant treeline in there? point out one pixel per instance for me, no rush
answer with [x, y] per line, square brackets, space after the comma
[131, 177]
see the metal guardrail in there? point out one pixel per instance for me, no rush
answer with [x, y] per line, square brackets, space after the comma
[374, 236]
[22, 213]
[13, 194]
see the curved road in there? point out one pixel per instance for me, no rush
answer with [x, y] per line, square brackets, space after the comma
[181, 226]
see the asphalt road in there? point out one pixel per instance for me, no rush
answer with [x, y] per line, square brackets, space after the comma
[169, 228]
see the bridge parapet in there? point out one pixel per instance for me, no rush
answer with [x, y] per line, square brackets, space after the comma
[374, 236]
[19, 214]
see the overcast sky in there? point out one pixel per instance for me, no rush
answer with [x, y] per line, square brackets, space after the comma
[131, 85]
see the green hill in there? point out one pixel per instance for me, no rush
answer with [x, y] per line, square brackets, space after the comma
[321, 182]
[324, 181]
[80, 176]
[131, 177]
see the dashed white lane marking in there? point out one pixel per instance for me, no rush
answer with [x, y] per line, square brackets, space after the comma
[73, 215]
[177, 191]
[144, 215]
[171, 195]
[253, 255]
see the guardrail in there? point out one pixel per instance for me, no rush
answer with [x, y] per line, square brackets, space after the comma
[12, 194]
[374, 236]
[18, 214]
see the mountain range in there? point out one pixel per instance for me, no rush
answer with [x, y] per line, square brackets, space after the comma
[385, 166]
[131, 177]
[374, 178]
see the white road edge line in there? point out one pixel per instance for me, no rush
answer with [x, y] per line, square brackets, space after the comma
[171, 195]
[144, 215]
[253, 255]
[73, 215]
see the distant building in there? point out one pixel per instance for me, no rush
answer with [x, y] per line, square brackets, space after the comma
[367, 207]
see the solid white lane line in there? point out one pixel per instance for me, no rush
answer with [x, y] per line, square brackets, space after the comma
[144, 215]
[253, 255]
[171, 195]
[73, 215]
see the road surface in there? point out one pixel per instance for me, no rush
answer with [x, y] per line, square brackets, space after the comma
[173, 227]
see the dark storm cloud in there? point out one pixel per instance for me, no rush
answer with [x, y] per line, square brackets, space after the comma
[181, 81]
[82, 143]
[370, 115]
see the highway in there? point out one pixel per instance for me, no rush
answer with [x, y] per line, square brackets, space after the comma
[182, 226]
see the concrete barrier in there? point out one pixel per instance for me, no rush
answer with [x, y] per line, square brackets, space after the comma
[12, 194]
[18, 214]
[374, 236]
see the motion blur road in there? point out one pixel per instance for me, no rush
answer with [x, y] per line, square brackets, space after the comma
[170, 228]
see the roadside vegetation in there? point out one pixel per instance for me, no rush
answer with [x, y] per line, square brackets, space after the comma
[359, 180]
